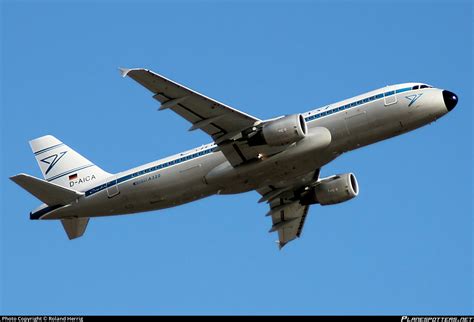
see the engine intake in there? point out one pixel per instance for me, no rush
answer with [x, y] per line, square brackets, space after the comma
[283, 131]
[332, 190]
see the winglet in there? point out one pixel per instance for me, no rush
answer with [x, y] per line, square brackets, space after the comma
[280, 244]
[124, 71]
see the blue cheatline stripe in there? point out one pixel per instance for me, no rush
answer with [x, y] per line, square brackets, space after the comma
[401, 90]
[355, 103]
[40, 213]
[69, 172]
[149, 170]
[50, 148]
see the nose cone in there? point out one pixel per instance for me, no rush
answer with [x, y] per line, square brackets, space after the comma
[450, 99]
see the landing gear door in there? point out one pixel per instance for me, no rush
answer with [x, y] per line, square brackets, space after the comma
[112, 188]
[390, 97]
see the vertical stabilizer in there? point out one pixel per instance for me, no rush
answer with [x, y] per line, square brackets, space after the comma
[75, 227]
[63, 166]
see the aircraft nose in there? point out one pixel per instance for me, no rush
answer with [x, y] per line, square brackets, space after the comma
[450, 99]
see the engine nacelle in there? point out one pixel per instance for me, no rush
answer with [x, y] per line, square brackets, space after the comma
[283, 131]
[332, 190]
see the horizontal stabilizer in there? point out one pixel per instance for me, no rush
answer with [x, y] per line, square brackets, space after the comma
[49, 193]
[75, 227]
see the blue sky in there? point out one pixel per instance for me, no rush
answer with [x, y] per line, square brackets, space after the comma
[403, 246]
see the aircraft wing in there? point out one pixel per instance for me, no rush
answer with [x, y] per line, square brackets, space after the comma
[222, 122]
[215, 118]
[288, 219]
[288, 214]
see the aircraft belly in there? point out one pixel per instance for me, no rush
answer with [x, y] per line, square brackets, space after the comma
[174, 187]
[276, 172]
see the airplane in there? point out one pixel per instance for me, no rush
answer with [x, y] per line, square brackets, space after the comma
[280, 158]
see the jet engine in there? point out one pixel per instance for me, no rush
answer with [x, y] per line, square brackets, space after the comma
[282, 131]
[332, 190]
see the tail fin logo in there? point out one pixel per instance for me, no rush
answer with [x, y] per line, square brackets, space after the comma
[52, 160]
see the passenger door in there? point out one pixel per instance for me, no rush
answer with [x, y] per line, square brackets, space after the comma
[390, 97]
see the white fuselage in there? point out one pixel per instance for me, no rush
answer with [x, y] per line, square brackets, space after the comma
[201, 172]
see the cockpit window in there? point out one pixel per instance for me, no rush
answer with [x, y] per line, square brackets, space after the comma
[421, 86]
